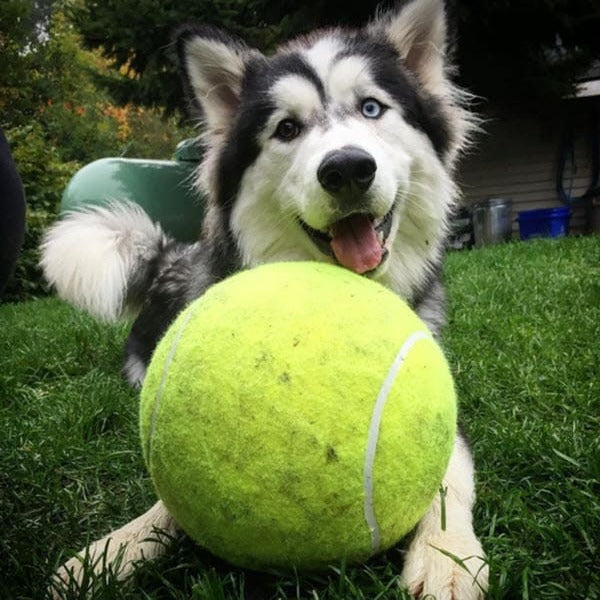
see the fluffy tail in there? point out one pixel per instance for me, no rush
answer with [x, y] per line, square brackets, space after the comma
[100, 258]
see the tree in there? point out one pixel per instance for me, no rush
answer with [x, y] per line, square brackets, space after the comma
[16, 35]
[526, 54]
[57, 119]
[136, 36]
[520, 53]
[52, 116]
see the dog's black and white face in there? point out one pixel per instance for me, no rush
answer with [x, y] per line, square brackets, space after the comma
[338, 148]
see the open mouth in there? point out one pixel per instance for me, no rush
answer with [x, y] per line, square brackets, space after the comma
[357, 241]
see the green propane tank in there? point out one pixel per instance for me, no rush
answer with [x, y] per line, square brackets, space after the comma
[163, 188]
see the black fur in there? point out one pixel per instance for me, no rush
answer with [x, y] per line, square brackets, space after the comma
[181, 36]
[241, 148]
[183, 273]
[421, 110]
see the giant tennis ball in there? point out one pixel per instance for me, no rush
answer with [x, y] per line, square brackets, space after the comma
[297, 414]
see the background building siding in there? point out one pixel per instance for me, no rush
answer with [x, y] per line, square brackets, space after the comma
[517, 159]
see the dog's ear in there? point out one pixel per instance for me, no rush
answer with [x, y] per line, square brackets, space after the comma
[417, 30]
[212, 64]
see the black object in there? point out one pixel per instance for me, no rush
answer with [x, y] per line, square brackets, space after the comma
[567, 155]
[461, 230]
[12, 212]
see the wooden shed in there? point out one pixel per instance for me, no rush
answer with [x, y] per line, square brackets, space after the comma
[519, 159]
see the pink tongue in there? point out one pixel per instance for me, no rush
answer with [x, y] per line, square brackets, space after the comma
[355, 244]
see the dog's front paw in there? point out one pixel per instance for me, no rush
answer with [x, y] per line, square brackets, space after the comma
[80, 574]
[448, 567]
[116, 555]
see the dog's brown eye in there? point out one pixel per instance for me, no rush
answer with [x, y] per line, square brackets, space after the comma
[287, 130]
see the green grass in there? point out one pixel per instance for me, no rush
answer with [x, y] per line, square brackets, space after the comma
[524, 342]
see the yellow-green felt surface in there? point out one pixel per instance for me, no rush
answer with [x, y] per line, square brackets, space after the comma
[256, 410]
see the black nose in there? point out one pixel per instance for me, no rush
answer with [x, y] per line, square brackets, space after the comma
[349, 169]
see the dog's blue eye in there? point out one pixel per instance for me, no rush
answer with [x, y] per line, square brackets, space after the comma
[287, 130]
[371, 108]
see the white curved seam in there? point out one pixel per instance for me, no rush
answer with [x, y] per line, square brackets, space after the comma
[373, 437]
[163, 378]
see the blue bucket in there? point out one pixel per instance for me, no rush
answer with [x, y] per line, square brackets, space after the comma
[544, 222]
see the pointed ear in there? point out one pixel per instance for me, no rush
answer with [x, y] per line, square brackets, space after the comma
[213, 64]
[418, 32]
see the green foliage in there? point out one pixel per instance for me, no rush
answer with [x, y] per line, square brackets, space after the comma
[523, 343]
[54, 124]
[60, 96]
[14, 39]
[152, 134]
[146, 63]
[56, 119]
[145, 71]
[526, 56]
[45, 175]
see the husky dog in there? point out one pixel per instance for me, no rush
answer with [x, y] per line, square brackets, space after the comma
[339, 148]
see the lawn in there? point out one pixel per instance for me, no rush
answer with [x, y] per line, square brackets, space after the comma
[524, 343]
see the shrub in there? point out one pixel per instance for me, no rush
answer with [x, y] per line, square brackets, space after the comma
[44, 176]
[57, 118]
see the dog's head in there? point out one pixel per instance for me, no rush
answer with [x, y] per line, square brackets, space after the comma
[339, 147]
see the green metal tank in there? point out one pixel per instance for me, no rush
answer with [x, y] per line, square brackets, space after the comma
[162, 187]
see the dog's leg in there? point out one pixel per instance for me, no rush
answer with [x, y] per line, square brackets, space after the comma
[445, 559]
[144, 538]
